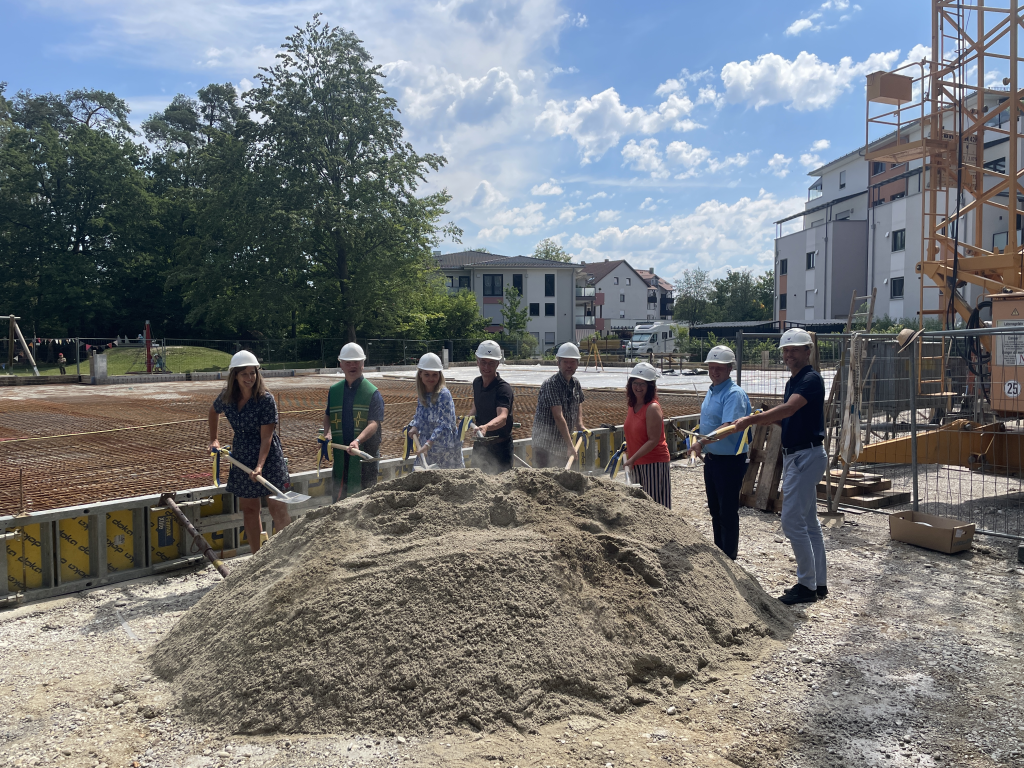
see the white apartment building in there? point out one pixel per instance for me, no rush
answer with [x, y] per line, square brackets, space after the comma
[547, 289]
[862, 229]
[613, 296]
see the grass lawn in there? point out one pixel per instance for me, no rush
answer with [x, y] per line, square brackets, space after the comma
[122, 360]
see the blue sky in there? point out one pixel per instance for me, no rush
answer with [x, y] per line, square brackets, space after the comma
[671, 134]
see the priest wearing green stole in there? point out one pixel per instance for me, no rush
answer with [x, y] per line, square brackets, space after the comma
[355, 412]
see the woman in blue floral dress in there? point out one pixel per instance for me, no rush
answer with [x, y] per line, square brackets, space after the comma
[252, 413]
[435, 416]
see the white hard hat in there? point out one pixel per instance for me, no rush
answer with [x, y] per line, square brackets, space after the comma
[721, 354]
[351, 351]
[243, 359]
[489, 350]
[430, 362]
[795, 337]
[568, 350]
[644, 371]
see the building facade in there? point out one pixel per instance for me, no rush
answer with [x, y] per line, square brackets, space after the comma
[547, 289]
[612, 296]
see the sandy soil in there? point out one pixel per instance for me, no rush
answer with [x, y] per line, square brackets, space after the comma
[914, 659]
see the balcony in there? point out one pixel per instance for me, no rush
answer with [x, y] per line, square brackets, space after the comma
[585, 321]
[585, 293]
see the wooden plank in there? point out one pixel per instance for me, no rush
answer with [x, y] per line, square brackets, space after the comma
[858, 488]
[761, 476]
[883, 499]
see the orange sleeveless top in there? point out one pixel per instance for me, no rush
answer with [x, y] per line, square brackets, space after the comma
[635, 431]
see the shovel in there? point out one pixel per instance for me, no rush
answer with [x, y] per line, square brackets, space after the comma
[425, 467]
[576, 452]
[361, 454]
[521, 460]
[288, 498]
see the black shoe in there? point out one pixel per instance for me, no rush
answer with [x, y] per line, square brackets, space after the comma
[798, 594]
[821, 592]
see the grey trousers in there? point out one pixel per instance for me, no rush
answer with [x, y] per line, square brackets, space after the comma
[801, 472]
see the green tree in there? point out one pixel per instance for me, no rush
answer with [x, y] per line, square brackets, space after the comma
[327, 139]
[75, 214]
[549, 249]
[694, 291]
[514, 316]
[741, 296]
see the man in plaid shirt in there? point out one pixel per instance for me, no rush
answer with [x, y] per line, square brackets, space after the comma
[559, 405]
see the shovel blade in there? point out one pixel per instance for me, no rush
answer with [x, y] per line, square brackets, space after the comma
[291, 497]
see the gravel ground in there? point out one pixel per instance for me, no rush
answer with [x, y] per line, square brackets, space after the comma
[913, 660]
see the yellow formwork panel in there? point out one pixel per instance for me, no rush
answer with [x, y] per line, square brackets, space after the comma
[164, 534]
[25, 559]
[74, 548]
[321, 487]
[215, 539]
[120, 541]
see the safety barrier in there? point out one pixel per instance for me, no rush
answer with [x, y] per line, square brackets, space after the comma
[71, 549]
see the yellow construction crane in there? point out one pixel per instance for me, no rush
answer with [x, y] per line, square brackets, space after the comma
[958, 112]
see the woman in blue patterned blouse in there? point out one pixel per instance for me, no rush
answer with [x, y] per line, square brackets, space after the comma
[435, 416]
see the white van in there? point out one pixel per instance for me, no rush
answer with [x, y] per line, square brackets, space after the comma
[654, 337]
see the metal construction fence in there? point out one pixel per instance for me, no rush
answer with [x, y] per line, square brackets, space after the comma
[939, 422]
[128, 356]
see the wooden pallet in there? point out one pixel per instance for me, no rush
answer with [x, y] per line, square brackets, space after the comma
[862, 489]
[762, 484]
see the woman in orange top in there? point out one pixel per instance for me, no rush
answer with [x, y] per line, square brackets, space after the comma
[647, 453]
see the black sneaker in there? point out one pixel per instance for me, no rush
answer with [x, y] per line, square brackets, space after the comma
[822, 591]
[798, 594]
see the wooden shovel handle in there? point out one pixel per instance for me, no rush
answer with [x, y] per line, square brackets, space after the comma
[260, 479]
[579, 442]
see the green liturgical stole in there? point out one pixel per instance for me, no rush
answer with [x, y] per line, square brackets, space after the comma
[360, 415]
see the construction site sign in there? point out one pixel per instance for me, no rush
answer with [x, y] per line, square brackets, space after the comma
[1011, 346]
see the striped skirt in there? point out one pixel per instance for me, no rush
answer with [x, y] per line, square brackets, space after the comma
[655, 480]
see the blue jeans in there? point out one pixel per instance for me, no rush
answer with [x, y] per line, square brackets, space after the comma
[801, 472]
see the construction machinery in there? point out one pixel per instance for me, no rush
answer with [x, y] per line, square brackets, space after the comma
[953, 120]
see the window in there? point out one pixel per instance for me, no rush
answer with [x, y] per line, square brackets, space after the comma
[844, 215]
[450, 281]
[783, 266]
[492, 285]
[615, 280]
[622, 297]
[897, 196]
[517, 283]
[896, 288]
[629, 281]
[782, 301]
[999, 240]
[842, 179]
[877, 168]
[622, 314]
[535, 309]
[899, 240]
[808, 298]
[810, 259]
[549, 337]
[463, 282]
[998, 165]
[549, 285]
[664, 335]
[549, 309]
[814, 191]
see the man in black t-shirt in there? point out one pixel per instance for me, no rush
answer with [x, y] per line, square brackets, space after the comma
[804, 461]
[492, 409]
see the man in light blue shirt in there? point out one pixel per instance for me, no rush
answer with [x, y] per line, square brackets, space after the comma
[725, 463]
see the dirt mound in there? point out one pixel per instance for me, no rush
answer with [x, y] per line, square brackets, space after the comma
[451, 597]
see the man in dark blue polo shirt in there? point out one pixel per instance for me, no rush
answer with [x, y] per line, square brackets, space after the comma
[804, 461]
[492, 409]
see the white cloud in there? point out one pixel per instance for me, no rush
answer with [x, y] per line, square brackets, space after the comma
[598, 196]
[433, 92]
[801, 25]
[648, 204]
[805, 83]
[605, 216]
[810, 160]
[681, 153]
[839, 5]
[493, 233]
[522, 221]
[779, 165]
[708, 95]
[547, 188]
[486, 196]
[820, 144]
[560, 71]
[716, 235]
[579, 21]
[570, 213]
[645, 157]
[736, 161]
[598, 123]
[527, 75]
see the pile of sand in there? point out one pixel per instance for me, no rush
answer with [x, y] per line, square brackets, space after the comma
[451, 597]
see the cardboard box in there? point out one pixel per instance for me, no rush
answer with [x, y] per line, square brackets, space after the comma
[887, 88]
[943, 534]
